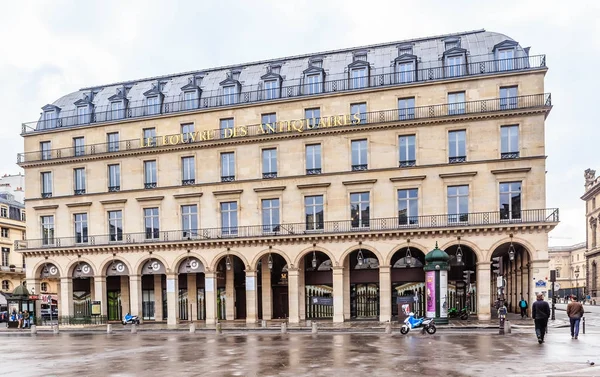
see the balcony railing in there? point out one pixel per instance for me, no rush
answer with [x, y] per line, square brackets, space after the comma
[482, 106]
[16, 268]
[291, 89]
[300, 229]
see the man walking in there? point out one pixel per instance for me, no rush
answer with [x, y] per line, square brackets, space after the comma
[540, 312]
[523, 306]
[574, 312]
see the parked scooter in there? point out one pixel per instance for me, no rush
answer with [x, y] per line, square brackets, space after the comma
[411, 322]
[462, 314]
[132, 319]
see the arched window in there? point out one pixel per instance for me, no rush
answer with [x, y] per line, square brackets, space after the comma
[44, 287]
[5, 285]
[594, 277]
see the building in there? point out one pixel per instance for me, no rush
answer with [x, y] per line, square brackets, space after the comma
[307, 187]
[592, 218]
[12, 229]
[14, 184]
[570, 266]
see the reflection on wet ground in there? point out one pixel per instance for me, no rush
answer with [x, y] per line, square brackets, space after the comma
[271, 354]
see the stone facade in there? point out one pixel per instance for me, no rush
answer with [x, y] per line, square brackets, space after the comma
[12, 229]
[569, 263]
[592, 220]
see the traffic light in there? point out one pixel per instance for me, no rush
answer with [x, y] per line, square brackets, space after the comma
[467, 276]
[497, 265]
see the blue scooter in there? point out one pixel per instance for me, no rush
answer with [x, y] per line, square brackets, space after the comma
[133, 319]
[411, 323]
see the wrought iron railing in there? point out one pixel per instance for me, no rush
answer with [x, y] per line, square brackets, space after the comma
[290, 89]
[482, 106]
[300, 229]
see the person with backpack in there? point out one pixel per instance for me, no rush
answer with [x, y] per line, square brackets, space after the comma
[574, 312]
[540, 312]
[523, 307]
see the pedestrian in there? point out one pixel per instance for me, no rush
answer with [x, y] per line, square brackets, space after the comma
[26, 323]
[540, 312]
[523, 305]
[20, 319]
[574, 312]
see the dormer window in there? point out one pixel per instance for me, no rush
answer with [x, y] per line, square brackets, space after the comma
[191, 93]
[313, 84]
[49, 119]
[314, 76]
[154, 98]
[118, 104]
[405, 65]
[271, 89]
[82, 115]
[231, 88]
[505, 54]
[272, 82]
[454, 66]
[317, 63]
[189, 100]
[116, 110]
[359, 71]
[152, 105]
[229, 95]
[405, 50]
[359, 78]
[450, 43]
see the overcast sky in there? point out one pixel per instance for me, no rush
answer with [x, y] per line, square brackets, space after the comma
[51, 48]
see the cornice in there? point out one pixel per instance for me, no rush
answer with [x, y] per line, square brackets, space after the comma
[272, 188]
[83, 204]
[459, 174]
[408, 178]
[227, 192]
[54, 206]
[313, 185]
[512, 170]
[113, 201]
[190, 195]
[150, 198]
[359, 182]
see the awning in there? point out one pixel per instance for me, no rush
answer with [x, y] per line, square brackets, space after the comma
[3, 300]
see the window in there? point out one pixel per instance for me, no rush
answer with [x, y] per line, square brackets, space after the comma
[3, 212]
[50, 119]
[270, 118]
[150, 174]
[114, 178]
[189, 220]
[313, 159]
[186, 130]
[79, 146]
[271, 89]
[359, 209]
[450, 45]
[188, 171]
[151, 223]
[4, 232]
[406, 108]
[509, 140]
[270, 215]
[313, 117]
[506, 61]
[456, 103]
[408, 209]
[457, 146]
[116, 110]
[269, 161]
[189, 100]
[313, 84]
[229, 221]
[45, 149]
[44, 287]
[406, 72]
[82, 117]
[226, 126]
[454, 66]
[115, 225]
[5, 285]
[313, 206]
[557, 272]
[510, 201]
[46, 184]
[359, 108]
[5, 256]
[153, 105]
[79, 179]
[359, 78]
[81, 227]
[458, 204]
[407, 156]
[508, 98]
[47, 230]
[359, 155]
[229, 95]
[150, 137]
[113, 141]
[227, 167]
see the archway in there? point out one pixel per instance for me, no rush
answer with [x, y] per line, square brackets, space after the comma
[512, 261]
[462, 284]
[273, 293]
[318, 285]
[83, 283]
[364, 284]
[154, 290]
[408, 279]
[50, 304]
[117, 290]
[231, 288]
[191, 298]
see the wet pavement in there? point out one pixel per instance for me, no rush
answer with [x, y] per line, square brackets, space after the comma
[447, 354]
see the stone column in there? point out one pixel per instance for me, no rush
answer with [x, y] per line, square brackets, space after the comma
[483, 291]
[192, 294]
[37, 288]
[158, 305]
[125, 304]
[135, 295]
[338, 294]
[301, 290]
[230, 293]
[251, 299]
[172, 300]
[210, 297]
[267, 290]
[293, 295]
[100, 293]
[346, 288]
[66, 297]
[385, 294]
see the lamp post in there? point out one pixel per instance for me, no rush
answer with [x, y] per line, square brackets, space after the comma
[576, 286]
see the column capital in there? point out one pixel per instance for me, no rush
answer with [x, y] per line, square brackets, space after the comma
[65, 279]
[172, 276]
[135, 277]
[385, 268]
[99, 277]
[294, 271]
[484, 265]
[211, 274]
[251, 272]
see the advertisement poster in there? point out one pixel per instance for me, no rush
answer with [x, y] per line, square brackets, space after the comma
[443, 294]
[430, 293]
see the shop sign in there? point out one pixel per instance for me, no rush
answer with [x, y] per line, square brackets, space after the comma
[96, 308]
[540, 283]
[317, 300]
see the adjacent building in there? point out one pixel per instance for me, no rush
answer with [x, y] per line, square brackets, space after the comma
[14, 184]
[569, 263]
[306, 187]
[12, 229]
[592, 220]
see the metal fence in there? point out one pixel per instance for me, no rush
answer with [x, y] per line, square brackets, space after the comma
[71, 320]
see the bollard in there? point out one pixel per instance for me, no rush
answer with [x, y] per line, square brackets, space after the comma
[218, 328]
[507, 327]
[263, 323]
[109, 328]
[134, 329]
[583, 325]
[55, 329]
[314, 328]
[192, 327]
[309, 323]
[388, 328]
[33, 329]
[283, 327]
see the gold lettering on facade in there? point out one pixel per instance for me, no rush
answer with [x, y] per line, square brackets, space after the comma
[356, 118]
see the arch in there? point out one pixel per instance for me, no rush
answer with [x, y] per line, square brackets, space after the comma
[315, 248]
[465, 242]
[108, 261]
[72, 264]
[140, 263]
[397, 248]
[40, 265]
[349, 250]
[526, 245]
[215, 261]
[262, 253]
[180, 259]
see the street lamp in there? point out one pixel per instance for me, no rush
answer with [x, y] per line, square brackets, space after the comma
[459, 252]
[576, 286]
[228, 263]
[270, 262]
[511, 250]
[360, 257]
[314, 260]
[408, 257]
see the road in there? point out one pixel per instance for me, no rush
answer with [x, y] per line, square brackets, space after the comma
[592, 314]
